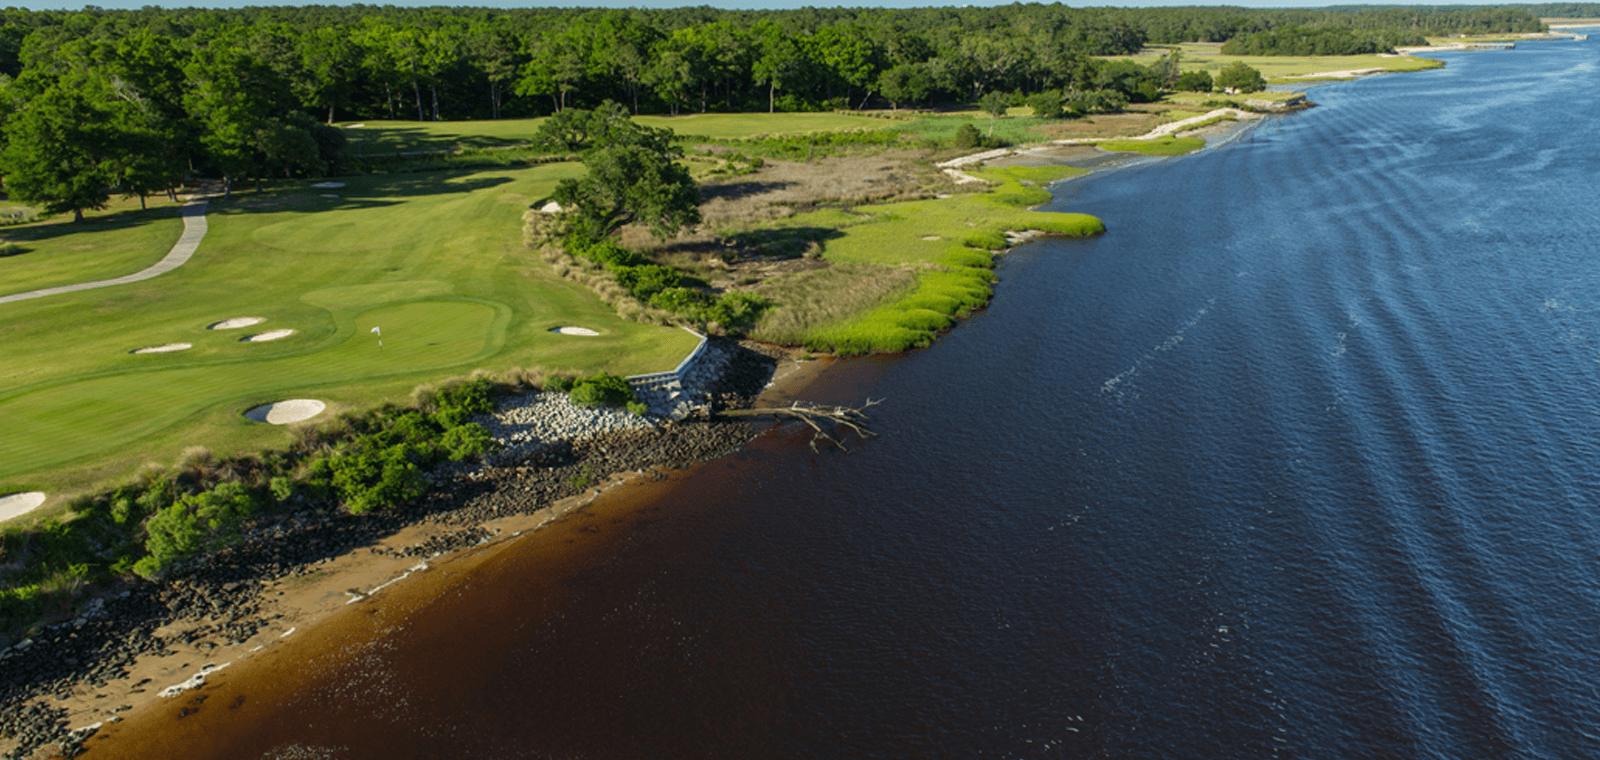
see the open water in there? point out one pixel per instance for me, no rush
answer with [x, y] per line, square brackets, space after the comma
[1301, 459]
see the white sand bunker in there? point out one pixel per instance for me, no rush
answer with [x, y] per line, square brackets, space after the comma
[328, 185]
[285, 412]
[161, 349]
[573, 331]
[266, 336]
[235, 323]
[16, 504]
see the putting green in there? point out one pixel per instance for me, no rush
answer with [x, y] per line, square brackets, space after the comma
[101, 414]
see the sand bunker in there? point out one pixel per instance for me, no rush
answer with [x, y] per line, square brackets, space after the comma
[573, 331]
[235, 323]
[285, 412]
[161, 349]
[330, 195]
[550, 208]
[328, 185]
[15, 504]
[266, 336]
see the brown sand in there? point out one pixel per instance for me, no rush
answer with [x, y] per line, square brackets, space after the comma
[315, 620]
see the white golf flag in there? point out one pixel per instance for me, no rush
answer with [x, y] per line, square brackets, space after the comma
[379, 332]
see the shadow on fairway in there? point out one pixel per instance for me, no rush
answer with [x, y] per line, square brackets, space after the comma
[63, 225]
[377, 193]
[389, 140]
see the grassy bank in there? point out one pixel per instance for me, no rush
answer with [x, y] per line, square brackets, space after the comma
[942, 250]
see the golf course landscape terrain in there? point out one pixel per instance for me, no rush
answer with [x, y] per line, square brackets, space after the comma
[435, 260]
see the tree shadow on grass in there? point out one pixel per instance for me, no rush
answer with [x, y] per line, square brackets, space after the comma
[734, 191]
[782, 243]
[387, 191]
[389, 140]
[62, 225]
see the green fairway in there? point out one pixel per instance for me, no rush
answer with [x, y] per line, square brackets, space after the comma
[435, 260]
[374, 137]
[120, 240]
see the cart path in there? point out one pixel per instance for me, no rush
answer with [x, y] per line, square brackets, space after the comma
[194, 229]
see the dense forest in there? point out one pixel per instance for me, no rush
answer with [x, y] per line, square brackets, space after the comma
[136, 99]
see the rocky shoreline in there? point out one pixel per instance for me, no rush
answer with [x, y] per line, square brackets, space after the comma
[553, 452]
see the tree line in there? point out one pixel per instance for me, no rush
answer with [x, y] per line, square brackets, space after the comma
[134, 101]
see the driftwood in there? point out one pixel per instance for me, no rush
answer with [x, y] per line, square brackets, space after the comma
[825, 421]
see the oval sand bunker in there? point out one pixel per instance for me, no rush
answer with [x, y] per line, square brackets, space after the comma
[573, 331]
[162, 348]
[285, 412]
[266, 336]
[15, 504]
[235, 323]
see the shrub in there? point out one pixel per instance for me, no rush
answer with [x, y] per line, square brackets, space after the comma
[967, 136]
[367, 480]
[604, 389]
[11, 249]
[1046, 105]
[200, 522]
[1194, 81]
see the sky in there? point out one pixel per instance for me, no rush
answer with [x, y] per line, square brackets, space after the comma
[742, 4]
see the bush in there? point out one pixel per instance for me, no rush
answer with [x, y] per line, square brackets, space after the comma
[1046, 105]
[367, 480]
[1240, 77]
[604, 389]
[1194, 81]
[201, 522]
[967, 136]
[11, 249]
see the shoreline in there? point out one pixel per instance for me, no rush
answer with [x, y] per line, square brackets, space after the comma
[295, 575]
[113, 664]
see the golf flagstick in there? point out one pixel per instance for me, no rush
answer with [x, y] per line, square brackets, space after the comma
[380, 338]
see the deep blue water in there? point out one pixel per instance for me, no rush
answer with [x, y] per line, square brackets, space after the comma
[1301, 459]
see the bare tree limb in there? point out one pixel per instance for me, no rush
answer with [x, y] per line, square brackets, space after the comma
[817, 417]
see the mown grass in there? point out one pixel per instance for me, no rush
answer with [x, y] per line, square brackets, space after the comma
[434, 259]
[119, 240]
[946, 244]
[387, 137]
[1276, 69]
[1165, 146]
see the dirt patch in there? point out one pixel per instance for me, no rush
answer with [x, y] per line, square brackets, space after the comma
[733, 249]
[781, 188]
[1126, 124]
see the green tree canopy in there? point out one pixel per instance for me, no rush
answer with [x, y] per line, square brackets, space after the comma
[633, 177]
[1238, 76]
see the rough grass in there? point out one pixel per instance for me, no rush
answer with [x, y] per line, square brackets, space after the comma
[809, 300]
[946, 243]
[434, 259]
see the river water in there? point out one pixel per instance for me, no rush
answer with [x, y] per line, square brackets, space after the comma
[1300, 459]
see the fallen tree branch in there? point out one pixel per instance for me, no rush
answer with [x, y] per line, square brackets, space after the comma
[817, 417]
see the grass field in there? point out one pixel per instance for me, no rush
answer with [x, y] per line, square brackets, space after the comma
[1277, 69]
[374, 137]
[433, 259]
[57, 252]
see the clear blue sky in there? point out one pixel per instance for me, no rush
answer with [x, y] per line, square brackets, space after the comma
[758, 4]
